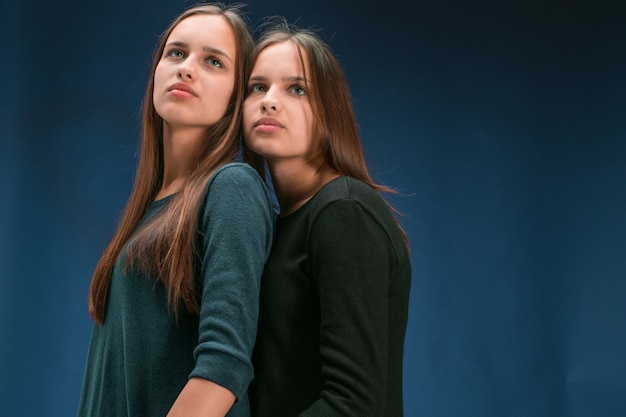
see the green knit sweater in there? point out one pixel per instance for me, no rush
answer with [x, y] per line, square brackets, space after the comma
[140, 359]
[334, 306]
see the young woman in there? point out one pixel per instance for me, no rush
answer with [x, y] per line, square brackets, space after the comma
[175, 294]
[335, 291]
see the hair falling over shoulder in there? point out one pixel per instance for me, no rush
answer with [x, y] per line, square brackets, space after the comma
[164, 247]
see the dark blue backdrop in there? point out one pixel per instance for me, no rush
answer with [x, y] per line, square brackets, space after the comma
[502, 123]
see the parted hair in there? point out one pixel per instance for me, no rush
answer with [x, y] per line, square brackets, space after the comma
[164, 247]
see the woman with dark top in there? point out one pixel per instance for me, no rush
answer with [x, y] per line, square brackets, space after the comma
[335, 291]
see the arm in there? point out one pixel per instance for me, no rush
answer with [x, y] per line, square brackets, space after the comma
[236, 224]
[351, 261]
[202, 398]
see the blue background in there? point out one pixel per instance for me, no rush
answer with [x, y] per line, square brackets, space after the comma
[502, 124]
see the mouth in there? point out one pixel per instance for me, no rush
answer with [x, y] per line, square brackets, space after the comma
[268, 121]
[183, 90]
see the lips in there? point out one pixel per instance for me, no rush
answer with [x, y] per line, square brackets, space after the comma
[182, 89]
[267, 121]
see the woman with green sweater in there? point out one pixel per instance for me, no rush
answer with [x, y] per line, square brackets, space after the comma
[175, 295]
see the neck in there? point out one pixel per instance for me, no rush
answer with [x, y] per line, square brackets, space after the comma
[296, 182]
[180, 152]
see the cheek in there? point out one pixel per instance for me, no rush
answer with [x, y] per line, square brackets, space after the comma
[309, 122]
[158, 83]
[219, 98]
[226, 87]
[250, 113]
[158, 75]
[226, 91]
[246, 114]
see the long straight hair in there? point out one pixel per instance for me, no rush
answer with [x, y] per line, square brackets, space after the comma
[335, 124]
[164, 247]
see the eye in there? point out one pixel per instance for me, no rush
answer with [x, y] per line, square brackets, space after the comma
[214, 62]
[297, 90]
[256, 88]
[175, 53]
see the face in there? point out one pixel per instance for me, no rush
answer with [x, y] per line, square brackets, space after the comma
[277, 115]
[195, 76]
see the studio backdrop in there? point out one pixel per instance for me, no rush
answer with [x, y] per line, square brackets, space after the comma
[502, 125]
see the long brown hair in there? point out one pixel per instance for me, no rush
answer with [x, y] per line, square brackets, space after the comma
[165, 246]
[335, 123]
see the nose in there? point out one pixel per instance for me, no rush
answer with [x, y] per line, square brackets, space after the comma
[269, 101]
[270, 104]
[186, 72]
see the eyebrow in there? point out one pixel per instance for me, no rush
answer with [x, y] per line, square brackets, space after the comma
[264, 78]
[204, 48]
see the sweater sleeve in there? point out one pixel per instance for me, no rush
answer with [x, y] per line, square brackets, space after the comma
[237, 227]
[351, 263]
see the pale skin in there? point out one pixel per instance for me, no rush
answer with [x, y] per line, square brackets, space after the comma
[192, 86]
[278, 125]
[193, 83]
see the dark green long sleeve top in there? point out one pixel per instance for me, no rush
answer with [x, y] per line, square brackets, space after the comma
[140, 358]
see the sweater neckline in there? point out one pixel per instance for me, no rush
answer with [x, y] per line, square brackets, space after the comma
[309, 201]
[160, 202]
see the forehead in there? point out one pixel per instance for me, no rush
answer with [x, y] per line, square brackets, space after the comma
[208, 29]
[282, 57]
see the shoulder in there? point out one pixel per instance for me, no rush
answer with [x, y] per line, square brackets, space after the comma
[353, 207]
[348, 191]
[236, 187]
[235, 173]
